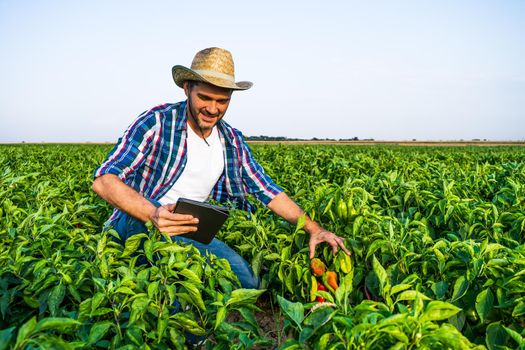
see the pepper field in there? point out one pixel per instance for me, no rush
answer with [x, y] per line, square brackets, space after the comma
[436, 233]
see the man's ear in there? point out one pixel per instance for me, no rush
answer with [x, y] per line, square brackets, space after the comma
[186, 88]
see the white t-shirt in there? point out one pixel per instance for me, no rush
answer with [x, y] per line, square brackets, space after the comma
[204, 167]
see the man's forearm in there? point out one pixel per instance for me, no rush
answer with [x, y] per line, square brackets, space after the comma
[286, 208]
[123, 197]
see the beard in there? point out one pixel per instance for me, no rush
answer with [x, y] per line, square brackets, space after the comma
[202, 124]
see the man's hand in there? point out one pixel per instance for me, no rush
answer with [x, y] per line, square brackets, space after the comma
[171, 223]
[334, 241]
[111, 188]
[283, 206]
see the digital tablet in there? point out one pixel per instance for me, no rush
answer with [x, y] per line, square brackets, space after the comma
[211, 218]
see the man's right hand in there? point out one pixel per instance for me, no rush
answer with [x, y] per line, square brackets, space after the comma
[172, 223]
[111, 188]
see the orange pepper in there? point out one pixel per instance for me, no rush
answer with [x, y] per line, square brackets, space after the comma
[318, 267]
[331, 279]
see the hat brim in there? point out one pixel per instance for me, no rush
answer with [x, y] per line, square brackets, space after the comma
[182, 74]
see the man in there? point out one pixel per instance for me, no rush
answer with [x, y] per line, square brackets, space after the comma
[187, 150]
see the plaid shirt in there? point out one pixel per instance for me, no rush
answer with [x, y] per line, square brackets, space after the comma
[151, 156]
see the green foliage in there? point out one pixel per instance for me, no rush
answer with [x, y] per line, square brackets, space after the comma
[424, 224]
[66, 284]
[437, 236]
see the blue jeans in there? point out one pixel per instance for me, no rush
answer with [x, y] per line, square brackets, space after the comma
[128, 226]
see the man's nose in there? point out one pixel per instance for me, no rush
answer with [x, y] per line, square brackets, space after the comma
[211, 108]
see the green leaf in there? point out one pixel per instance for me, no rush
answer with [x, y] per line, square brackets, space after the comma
[518, 338]
[440, 289]
[244, 296]
[249, 317]
[295, 311]
[460, 288]
[103, 267]
[137, 308]
[101, 245]
[257, 263]
[176, 338]
[495, 336]
[484, 303]
[162, 325]
[190, 275]
[153, 289]
[305, 334]
[4, 303]
[98, 331]
[319, 317]
[376, 245]
[326, 295]
[340, 294]
[220, 317]
[56, 323]
[148, 250]
[99, 282]
[54, 343]
[134, 333]
[272, 257]
[357, 225]
[55, 298]
[172, 248]
[395, 319]
[188, 324]
[347, 283]
[74, 293]
[382, 276]
[290, 282]
[399, 288]
[519, 309]
[194, 292]
[25, 332]
[96, 301]
[172, 291]
[132, 244]
[291, 344]
[101, 311]
[300, 223]
[30, 301]
[125, 290]
[458, 320]
[396, 333]
[5, 337]
[438, 311]
[345, 321]
[411, 295]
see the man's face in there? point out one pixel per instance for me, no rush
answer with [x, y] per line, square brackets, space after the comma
[207, 104]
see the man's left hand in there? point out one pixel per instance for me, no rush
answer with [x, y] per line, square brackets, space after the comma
[333, 240]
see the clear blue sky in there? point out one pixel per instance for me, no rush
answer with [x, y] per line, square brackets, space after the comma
[388, 70]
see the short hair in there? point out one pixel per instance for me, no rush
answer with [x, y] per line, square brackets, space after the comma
[191, 84]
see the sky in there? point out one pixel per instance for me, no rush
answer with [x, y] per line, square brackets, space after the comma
[82, 71]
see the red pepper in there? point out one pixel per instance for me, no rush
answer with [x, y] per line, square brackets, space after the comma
[320, 286]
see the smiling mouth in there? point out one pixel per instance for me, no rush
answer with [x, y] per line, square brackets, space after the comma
[208, 118]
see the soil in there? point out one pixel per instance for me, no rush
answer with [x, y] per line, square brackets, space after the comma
[269, 319]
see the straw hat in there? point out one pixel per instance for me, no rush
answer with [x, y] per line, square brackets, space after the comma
[213, 66]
